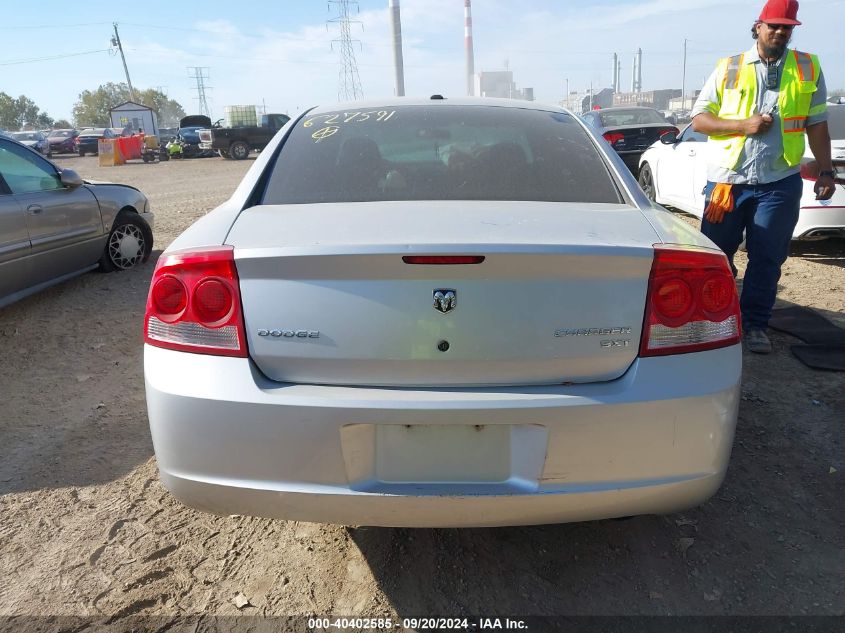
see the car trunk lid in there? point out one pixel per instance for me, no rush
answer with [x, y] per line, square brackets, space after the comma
[328, 298]
[636, 137]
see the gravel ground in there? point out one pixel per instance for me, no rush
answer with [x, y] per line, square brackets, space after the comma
[87, 529]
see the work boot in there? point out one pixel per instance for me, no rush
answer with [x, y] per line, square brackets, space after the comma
[756, 341]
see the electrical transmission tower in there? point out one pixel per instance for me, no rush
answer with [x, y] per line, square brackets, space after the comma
[201, 75]
[350, 82]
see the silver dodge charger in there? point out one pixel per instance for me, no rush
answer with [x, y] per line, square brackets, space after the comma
[441, 312]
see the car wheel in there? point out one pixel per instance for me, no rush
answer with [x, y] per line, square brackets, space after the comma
[81, 153]
[129, 244]
[223, 153]
[239, 150]
[646, 180]
[49, 153]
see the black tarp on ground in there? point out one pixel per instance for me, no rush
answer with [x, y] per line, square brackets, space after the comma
[825, 342]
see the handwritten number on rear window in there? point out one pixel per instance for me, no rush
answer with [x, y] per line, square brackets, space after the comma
[350, 117]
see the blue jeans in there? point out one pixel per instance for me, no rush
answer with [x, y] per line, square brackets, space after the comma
[768, 214]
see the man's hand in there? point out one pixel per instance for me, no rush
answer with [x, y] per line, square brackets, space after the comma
[757, 124]
[824, 188]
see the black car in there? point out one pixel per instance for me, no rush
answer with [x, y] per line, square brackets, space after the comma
[166, 134]
[88, 140]
[62, 141]
[630, 131]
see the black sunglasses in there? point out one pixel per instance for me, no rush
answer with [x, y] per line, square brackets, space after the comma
[775, 27]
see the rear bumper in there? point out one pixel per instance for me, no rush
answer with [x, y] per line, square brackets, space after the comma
[631, 158]
[821, 221]
[229, 441]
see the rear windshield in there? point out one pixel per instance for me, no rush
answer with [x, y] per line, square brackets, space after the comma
[439, 152]
[630, 117]
[61, 133]
[26, 136]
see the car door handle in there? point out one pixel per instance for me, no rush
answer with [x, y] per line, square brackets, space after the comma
[34, 209]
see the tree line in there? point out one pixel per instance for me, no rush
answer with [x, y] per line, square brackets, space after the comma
[90, 110]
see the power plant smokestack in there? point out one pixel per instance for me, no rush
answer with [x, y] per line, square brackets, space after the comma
[615, 82]
[398, 63]
[468, 42]
[639, 70]
[634, 75]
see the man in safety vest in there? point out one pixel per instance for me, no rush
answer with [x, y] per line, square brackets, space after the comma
[756, 108]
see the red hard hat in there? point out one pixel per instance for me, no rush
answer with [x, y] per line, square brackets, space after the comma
[780, 12]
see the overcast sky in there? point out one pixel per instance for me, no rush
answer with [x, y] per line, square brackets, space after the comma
[281, 53]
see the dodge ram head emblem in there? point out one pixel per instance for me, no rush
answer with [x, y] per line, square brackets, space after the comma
[445, 299]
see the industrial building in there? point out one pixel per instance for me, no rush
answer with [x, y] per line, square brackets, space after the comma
[657, 99]
[500, 84]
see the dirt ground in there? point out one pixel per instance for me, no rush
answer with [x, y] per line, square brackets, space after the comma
[87, 529]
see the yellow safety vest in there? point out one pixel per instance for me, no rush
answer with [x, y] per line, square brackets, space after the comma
[736, 86]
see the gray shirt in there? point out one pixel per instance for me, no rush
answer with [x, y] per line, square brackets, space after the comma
[761, 160]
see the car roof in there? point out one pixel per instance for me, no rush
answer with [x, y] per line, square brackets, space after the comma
[616, 108]
[389, 102]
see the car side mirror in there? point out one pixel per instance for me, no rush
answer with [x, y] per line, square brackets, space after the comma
[70, 178]
[670, 138]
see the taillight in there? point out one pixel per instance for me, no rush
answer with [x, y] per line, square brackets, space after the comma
[613, 137]
[692, 302]
[810, 170]
[194, 303]
[443, 260]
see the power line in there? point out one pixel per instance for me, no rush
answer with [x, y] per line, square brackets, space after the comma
[50, 26]
[33, 60]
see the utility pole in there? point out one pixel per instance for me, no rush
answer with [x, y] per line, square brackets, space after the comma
[115, 41]
[684, 81]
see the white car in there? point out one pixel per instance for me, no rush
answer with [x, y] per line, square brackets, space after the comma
[673, 171]
[445, 312]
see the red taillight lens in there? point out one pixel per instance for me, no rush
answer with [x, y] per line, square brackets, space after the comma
[613, 137]
[673, 299]
[212, 301]
[692, 302]
[169, 296]
[194, 304]
[810, 170]
[441, 260]
[717, 293]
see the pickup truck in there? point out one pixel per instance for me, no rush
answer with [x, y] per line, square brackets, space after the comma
[237, 142]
